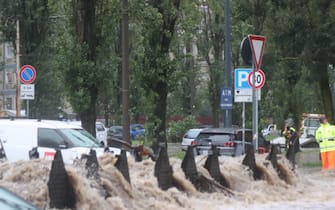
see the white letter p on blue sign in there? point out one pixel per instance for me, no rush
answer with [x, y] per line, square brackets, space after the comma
[241, 78]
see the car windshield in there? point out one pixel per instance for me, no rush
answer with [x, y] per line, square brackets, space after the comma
[312, 123]
[99, 127]
[136, 127]
[220, 137]
[211, 135]
[9, 200]
[80, 138]
[116, 129]
[191, 134]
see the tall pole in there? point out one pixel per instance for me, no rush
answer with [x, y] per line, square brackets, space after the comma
[227, 57]
[3, 75]
[243, 127]
[254, 108]
[18, 97]
[125, 72]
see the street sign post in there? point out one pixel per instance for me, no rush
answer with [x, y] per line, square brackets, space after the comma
[27, 74]
[257, 48]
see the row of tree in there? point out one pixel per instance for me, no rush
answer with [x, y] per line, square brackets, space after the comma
[176, 57]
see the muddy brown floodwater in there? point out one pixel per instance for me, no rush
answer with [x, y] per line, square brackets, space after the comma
[308, 189]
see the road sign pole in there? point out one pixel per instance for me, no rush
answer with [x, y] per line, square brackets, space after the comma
[256, 115]
[243, 127]
[27, 109]
[254, 109]
[257, 47]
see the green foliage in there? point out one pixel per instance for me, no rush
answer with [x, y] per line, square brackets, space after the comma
[186, 78]
[167, 63]
[107, 68]
[176, 129]
[179, 155]
[300, 26]
[210, 43]
[150, 130]
[312, 165]
[157, 75]
[37, 49]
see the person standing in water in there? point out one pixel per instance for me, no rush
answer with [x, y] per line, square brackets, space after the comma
[325, 137]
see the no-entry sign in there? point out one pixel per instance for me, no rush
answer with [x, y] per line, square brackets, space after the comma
[27, 74]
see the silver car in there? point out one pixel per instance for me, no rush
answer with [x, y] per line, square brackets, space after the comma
[227, 141]
[189, 137]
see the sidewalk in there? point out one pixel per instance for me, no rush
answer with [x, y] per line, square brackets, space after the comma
[308, 157]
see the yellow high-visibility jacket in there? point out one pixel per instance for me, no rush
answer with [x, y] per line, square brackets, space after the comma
[325, 136]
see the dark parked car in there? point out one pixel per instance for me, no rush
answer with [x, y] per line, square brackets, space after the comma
[228, 141]
[115, 132]
[136, 131]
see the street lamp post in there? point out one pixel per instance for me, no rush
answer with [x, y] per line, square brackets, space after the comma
[227, 57]
[18, 63]
[3, 75]
[125, 73]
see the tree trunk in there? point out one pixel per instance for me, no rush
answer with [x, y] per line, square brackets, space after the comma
[322, 71]
[161, 86]
[160, 113]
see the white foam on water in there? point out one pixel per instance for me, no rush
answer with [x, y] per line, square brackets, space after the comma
[310, 189]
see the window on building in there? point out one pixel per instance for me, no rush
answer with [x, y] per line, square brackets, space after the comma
[9, 103]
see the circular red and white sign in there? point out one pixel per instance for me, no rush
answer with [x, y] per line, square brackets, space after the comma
[27, 74]
[259, 79]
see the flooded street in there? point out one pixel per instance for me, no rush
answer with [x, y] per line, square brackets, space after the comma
[306, 188]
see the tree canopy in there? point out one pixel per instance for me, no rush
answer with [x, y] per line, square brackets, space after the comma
[176, 58]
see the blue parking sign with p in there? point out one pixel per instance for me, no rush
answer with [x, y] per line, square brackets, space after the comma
[241, 78]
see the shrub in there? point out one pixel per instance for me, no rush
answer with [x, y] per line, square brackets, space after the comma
[177, 129]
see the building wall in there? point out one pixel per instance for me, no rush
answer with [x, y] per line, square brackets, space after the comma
[8, 77]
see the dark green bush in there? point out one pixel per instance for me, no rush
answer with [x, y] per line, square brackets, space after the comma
[177, 129]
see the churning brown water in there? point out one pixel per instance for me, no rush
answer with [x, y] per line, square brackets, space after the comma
[302, 189]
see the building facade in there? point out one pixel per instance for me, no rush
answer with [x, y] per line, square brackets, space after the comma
[8, 80]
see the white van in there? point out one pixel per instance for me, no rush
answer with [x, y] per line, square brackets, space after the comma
[100, 130]
[24, 139]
